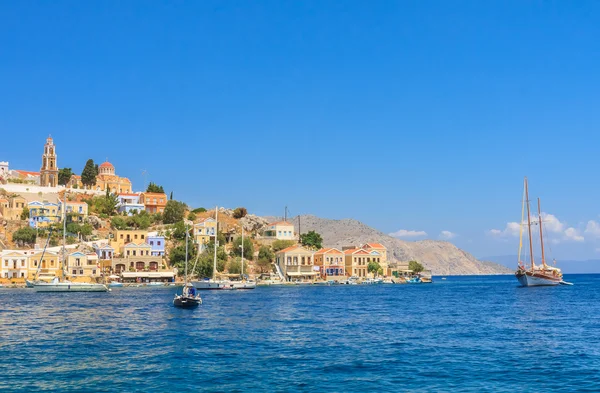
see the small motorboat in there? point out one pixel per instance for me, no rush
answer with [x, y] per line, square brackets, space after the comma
[188, 299]
[115, 284]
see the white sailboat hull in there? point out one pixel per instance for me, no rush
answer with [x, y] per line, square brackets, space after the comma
[206, 285]
[69, 287]
[241, 285]
[531, 281]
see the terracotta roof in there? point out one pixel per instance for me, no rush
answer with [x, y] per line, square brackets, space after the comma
[76, 203]
[289, 249]
[125, 194]
[329, 250]
[106, 164]
[356, 251]
[27, 172]
[374, 245]
[281, 223]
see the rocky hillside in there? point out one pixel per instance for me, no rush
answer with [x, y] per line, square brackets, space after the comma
[439, 256]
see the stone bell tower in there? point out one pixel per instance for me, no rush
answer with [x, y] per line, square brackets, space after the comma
[49, 171]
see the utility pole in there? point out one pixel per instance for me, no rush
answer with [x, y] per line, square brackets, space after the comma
[285, 214]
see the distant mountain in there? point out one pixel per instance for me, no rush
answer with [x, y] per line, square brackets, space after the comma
[567, 266]
[442, 258]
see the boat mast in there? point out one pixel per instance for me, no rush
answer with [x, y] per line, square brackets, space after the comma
[541, 234]
[242, 250]
[216, 241]
[529, 224]
[186, 252]
[521, 224]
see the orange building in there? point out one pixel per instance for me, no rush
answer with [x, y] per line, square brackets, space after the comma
[106, 179]
[155, 202]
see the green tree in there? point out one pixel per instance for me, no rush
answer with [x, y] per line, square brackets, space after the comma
[204, 267]
[279, 245]
[177, 256]
[265, 258]
[89, 173]
[311, 240]
[191, 216]
[86, 229]
[152, 187]
[415, 266]
[240, 212]
[25, 213]
[141, 220]
[374, 268]
[171, 196]
[174, 211]
[64, 175]
[108, 204]
[178, 231]
[118, 223]
[248, 248]
[199, 210]
[24, 236]
[235, 266]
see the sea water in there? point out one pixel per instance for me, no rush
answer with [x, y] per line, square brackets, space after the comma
[463, 334]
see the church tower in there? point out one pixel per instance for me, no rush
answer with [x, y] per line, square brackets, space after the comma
[49, 171]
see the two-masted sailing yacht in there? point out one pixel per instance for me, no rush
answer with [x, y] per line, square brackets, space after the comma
[56, 284]
[535, 275]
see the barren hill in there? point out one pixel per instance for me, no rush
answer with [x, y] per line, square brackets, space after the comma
[441, 257]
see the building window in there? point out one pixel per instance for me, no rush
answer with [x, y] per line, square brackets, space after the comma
[142, 236]
[94, 272]
[151, 243]
[121, 236]
[74, 271]
[158, 243]
[135, 236]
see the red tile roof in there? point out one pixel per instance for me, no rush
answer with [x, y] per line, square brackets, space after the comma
[27, 172]
[329, 251]
[292, 248]
[106, 164]
[374, 245]
[281, 223]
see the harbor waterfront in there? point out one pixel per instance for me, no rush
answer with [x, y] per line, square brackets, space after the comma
[460, 334]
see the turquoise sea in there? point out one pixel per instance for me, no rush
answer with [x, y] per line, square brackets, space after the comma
[463, 334]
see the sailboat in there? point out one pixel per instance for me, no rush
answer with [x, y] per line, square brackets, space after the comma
[244, 283]
[212, 283]
[56, 284]
[535, 275]
[188, 297]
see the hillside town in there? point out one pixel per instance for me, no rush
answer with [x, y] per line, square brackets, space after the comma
[111, 232]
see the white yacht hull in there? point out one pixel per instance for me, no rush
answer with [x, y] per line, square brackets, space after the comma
[69, 287]
[527, 280]
[206, 285]
[242, 285]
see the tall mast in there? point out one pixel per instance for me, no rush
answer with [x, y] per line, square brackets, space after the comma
[242, 250]
[216, 241]
[541, 234]
[529, 224]
[186, 252]
[521, 223]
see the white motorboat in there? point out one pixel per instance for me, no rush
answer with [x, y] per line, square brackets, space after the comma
[57, 285]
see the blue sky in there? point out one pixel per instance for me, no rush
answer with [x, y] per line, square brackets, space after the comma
[414, 116]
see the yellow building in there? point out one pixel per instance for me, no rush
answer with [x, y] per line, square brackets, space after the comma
[281, 230]
[83, 265]
[78, 210]
[379, 251]
[297, 263]
[11, 208]
[357, 261]
[42, 214]
[122, 237]
[331, 262]
[106, 179]
[136, 250]
[49, 265]
[205, 230]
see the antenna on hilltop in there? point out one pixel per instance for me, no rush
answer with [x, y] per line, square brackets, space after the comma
[145, 175]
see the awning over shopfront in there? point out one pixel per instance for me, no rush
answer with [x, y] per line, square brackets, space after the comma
[148, 274]
[296, 274]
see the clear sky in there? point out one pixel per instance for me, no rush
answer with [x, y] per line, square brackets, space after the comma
[412, 116]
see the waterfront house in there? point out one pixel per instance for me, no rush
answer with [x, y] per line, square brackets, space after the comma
[205, 230]
[130, 204]
[157, 244]
[154, 202]
[136, 249]
[104, 251]
[357, 261]
[331, 263]
[119, 238]
[81, 264]
[14, 264]
[281, 230]
[297, 263]
[49, 265]
[379, 248]
[42, 214]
